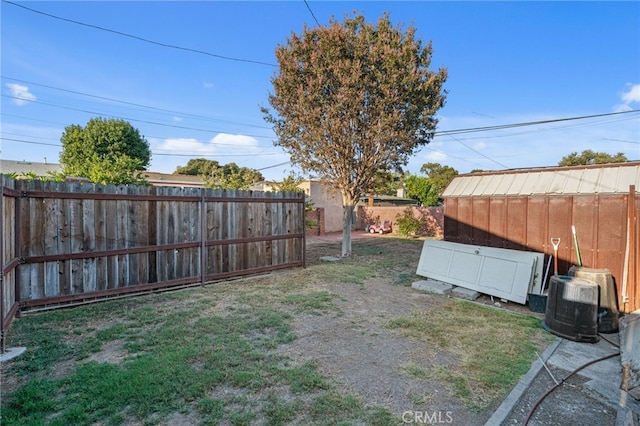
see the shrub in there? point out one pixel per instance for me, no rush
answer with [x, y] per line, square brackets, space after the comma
[408, 225]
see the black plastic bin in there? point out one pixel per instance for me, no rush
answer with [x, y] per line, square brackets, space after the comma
[608, 312]
[572, 308]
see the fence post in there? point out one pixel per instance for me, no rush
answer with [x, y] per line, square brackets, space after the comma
[17, 239]
[203, 236]
[631, 251]
[304, 231]
[2, 325]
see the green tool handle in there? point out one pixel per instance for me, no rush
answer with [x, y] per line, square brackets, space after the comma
[575, 242]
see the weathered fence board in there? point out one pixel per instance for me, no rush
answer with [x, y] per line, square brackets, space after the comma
[8, 256]
[78, 241]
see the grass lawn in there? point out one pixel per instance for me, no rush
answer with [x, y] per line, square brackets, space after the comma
[221, 354]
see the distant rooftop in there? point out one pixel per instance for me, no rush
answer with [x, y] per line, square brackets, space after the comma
[40, 169]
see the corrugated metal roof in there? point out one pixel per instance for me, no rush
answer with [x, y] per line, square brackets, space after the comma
[593, 179]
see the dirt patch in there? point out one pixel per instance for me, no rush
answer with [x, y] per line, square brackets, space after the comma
[112, 352]
[358, 351]
[368, 359]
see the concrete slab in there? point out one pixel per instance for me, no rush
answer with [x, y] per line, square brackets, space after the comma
[433, 286]
[571, 355]
[626, 417]
[465, 293]
[604, 376]
[330, 259]
[11, 353]
[630, 353]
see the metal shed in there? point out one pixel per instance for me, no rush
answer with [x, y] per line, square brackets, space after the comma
[523, 209]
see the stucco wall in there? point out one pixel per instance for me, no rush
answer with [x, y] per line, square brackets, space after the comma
[330, 200]
[433, 218]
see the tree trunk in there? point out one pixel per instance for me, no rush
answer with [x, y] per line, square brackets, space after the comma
[347, 217]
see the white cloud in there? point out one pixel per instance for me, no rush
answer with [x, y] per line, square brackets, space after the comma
[222, 143]
[185, 146]
[20, 93]
[207, 85]
[235, 140]
[629, 97]
[176, 119]
[632, 95]
[436, 156]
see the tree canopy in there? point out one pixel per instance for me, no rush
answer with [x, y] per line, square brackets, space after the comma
[439, 176]
[228, 176]
[105, 151]
[352, 98]
[198, 167]
[590, 157]
[291, 183]
[420, 188]
[387, 183]
[231, 176]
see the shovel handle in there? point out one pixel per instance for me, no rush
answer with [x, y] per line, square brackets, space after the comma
[556, 243]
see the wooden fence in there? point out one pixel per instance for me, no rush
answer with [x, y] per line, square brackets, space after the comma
[66, 243]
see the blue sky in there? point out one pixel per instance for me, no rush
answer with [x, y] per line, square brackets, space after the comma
[508, 62]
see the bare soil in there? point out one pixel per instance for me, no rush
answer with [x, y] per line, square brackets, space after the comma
[368, 359]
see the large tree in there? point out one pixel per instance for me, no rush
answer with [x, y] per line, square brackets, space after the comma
[351, 99]
[420, 188]
[105, 151]
[231, 176]
[228, 176]
[439, 176]
[590, 157]
[198, 167]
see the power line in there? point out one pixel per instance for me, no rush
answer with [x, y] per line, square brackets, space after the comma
[478, 152]
[526, 123]
[275, 165]
[130, 103]
[154, 152]
[436, 133]
[312, 14]
[526, 132]
[127, 118]
[620, 140]
[157, 43]
[31, 142]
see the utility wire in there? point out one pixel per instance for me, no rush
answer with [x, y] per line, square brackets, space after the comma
[527, 123]
[312, 14]
[275, 165]
[127, 118]
[620, 140]
[130, 103]
[436, 133]
[478, 152]
[156, 152]
[157, 43]
[550, 129]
